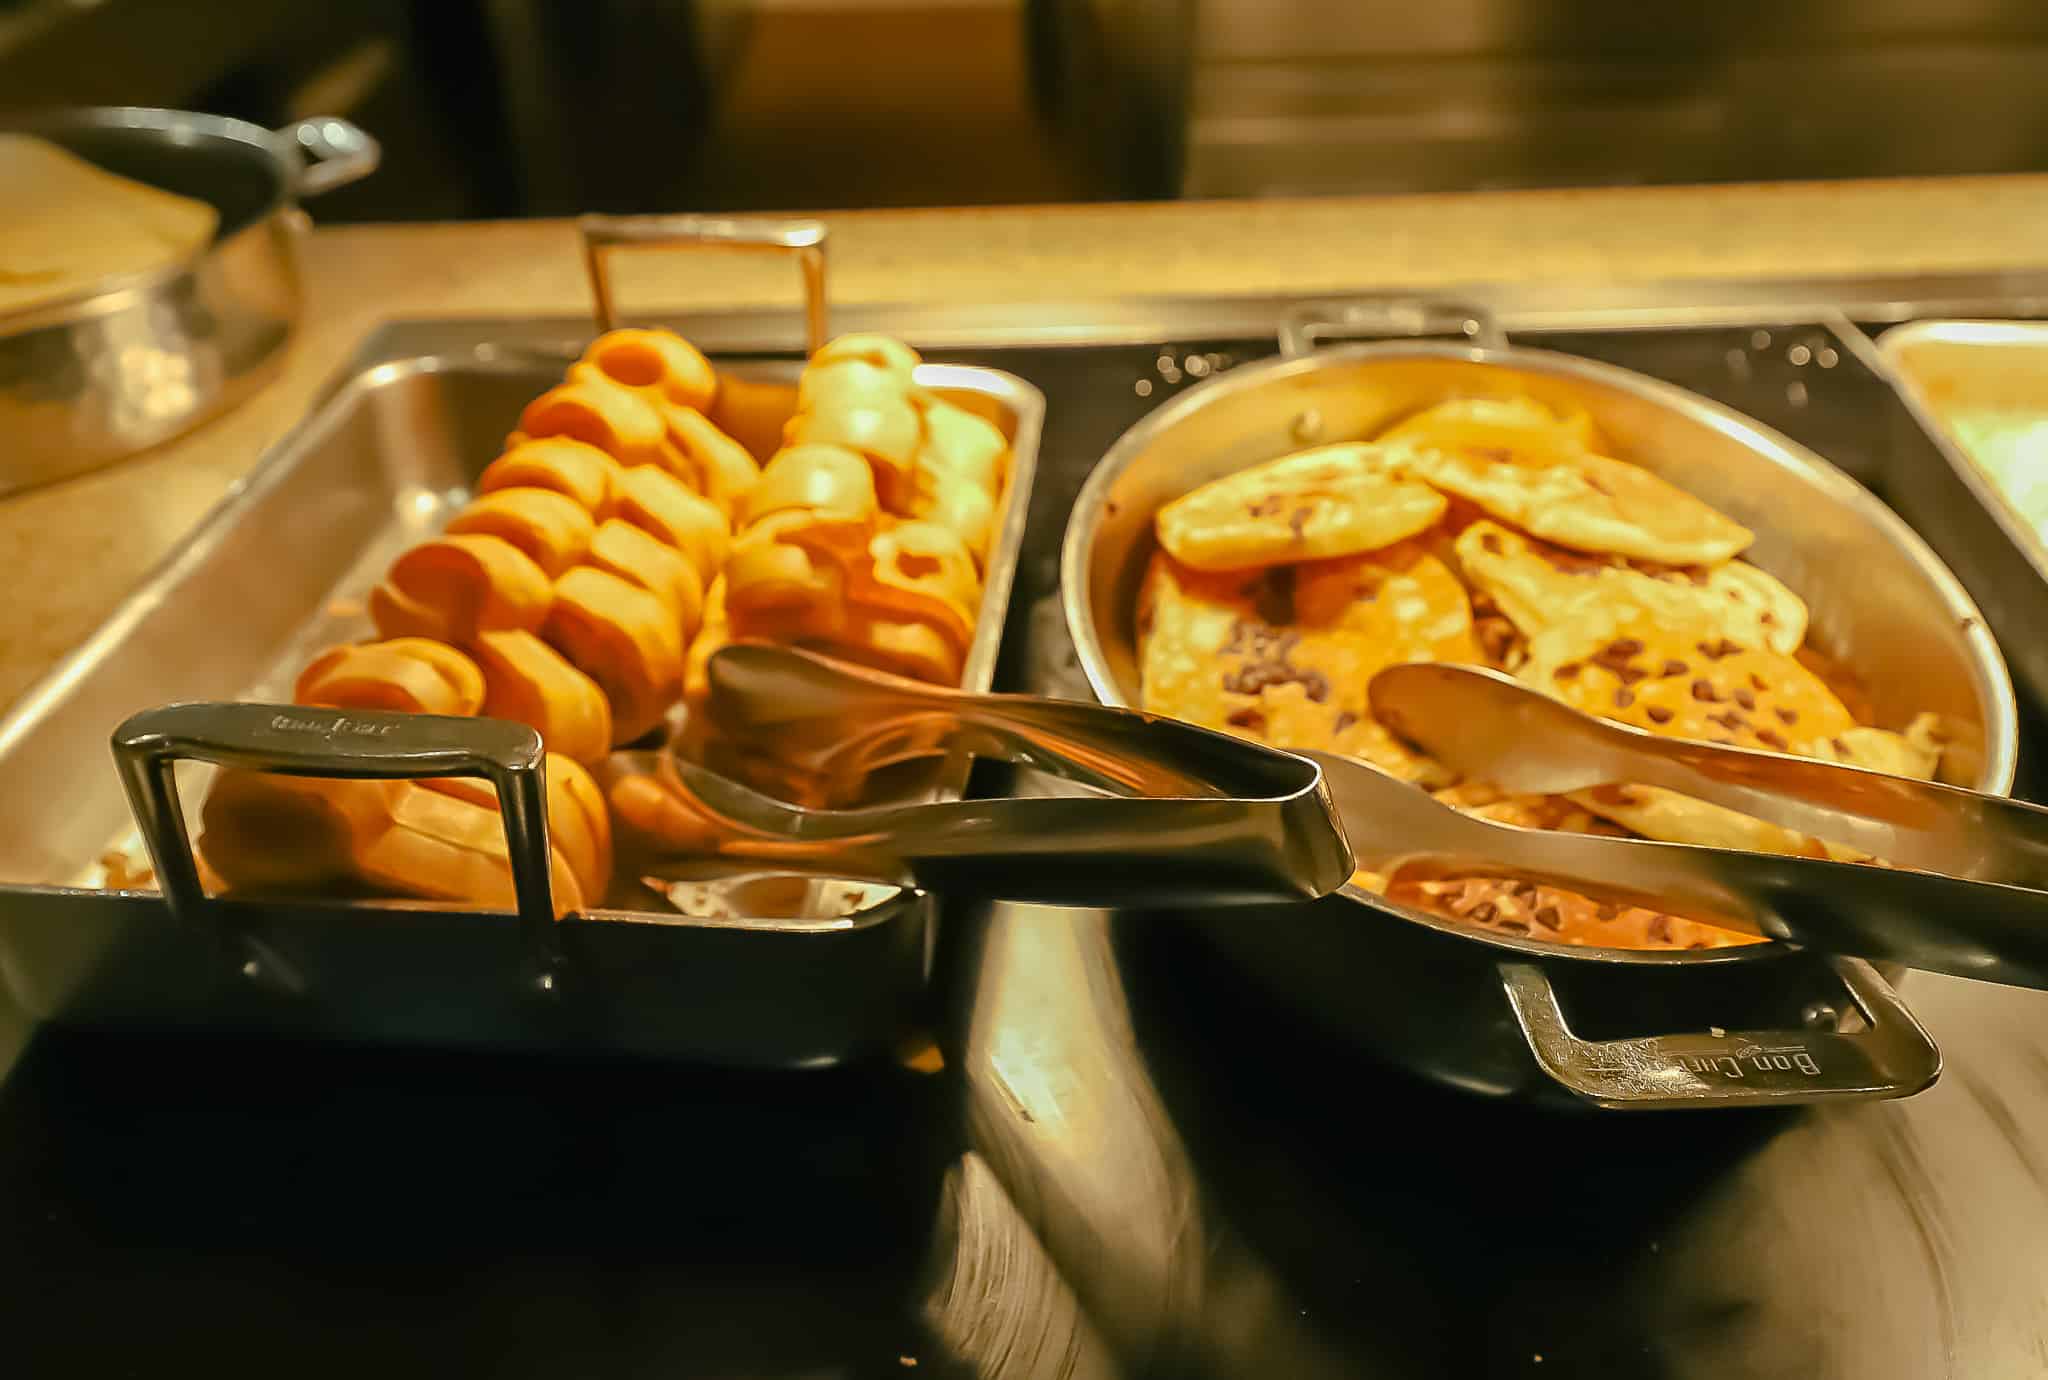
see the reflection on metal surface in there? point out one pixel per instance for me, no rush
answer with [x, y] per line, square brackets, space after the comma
[1952, 373]
[1062, 1108]
[997, 1299]
[1059, 1107]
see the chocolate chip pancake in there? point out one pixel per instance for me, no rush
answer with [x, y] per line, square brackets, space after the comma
[1284, 655]
[1585, 501]
[1525, 465]
[1540, 585]
[1656, 813]
[1620, 663]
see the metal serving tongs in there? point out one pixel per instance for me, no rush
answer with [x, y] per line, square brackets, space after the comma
[1977, 905]
[1217, 819]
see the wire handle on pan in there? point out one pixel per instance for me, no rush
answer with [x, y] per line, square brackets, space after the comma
[298, 741]
[1891, 1057]
[1305, 328]
[805, 239]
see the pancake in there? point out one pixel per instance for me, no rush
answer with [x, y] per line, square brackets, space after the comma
[1912, 753]
[1584, 501]
[1540, 585]
[1488, 801]
[1312, 505]
[1674, 818]
[1521, 425]
[1656, 813]
[1562, 917]
[1621, 664]
[1713, 691]
[1284, 655]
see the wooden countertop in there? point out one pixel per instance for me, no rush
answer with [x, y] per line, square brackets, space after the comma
[81, 546]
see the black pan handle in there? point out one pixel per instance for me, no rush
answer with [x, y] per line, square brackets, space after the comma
[351, 743]
[1891, 1056]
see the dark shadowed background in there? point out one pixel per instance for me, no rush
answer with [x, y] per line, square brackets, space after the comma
[545, 107]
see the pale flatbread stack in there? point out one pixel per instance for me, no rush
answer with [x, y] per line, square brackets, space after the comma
[1496, 532]
[71, 225]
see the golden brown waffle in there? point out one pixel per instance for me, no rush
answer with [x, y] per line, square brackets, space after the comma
[584, 589]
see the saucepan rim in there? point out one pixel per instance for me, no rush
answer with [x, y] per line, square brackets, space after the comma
[119, 291]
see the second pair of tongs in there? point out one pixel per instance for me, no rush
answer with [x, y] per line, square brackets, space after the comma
[1966, 892]
[1199, 818]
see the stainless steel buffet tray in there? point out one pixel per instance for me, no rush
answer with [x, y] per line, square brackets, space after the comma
[1990, 376]
[281, 568]
[749, 991]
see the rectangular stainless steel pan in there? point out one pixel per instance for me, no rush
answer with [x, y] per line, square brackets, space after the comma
[280, 568]
[1944, 370]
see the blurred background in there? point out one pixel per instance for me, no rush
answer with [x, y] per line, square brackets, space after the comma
[545, 107]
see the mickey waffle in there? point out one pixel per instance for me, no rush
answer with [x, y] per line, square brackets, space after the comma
[1497, 532]
[619, 540]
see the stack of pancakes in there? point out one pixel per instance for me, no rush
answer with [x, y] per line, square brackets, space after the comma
[1495, 532]
[586, 586]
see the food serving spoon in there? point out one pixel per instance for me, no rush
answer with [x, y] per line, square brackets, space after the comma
[830, 718]
[1966, 896]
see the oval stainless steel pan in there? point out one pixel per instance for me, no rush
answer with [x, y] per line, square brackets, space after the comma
[1512, 1016]
[134, 361]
